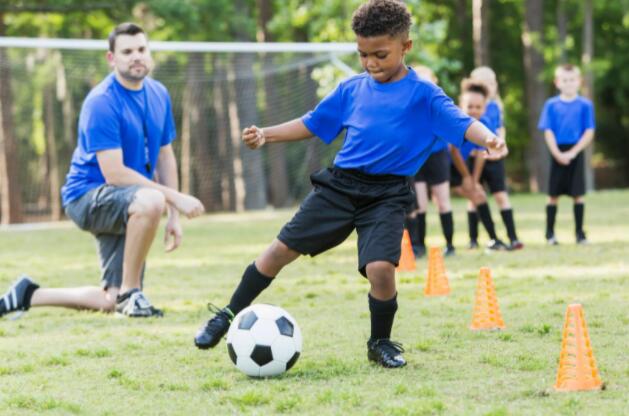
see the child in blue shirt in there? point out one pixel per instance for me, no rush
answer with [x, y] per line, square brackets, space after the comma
[568, 124]
[390, 117]
[492, 172]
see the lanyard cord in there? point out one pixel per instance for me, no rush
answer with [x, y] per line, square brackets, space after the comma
[147, 159]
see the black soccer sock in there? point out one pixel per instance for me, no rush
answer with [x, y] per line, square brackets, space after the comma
[507, 219]
[579, 213]
[382, 315]
[252, 284]
[551, 214]
[485, 217]
[421, 229]
[472, 225]
[447, 226]
[411, 224]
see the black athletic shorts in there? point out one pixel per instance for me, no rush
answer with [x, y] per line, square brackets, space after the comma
[493, 175]
[567, 179]
[455, 177]
[343, 200]
[436, 170]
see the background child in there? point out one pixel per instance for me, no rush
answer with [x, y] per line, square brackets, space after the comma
[491, 173]
[472, 101]
[390, 117]
[568, 124]
[436, 174]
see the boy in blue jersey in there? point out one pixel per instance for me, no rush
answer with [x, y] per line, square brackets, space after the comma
[125, 132]
[436, 174]
[568, 124]
[390, 117]
[491, 173]
[466, 168]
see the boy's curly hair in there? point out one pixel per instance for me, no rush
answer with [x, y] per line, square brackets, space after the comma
[381, 17]
[474, 85]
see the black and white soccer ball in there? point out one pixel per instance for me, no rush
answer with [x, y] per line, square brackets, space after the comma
[264, 341]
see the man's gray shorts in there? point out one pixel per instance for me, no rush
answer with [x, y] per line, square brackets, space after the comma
[104, 211]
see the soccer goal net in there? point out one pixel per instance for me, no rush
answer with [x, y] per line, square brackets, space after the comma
[217, 89]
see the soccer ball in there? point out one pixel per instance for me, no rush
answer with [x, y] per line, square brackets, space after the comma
[264, 341]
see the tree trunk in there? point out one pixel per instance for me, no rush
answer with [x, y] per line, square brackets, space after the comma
[65, 96]
[10, 190]
[235, 154]
[588, 82]
[537, 156]
[480, 11]
[246, 101]
[561, 30]
[52, 158]
[278, 171]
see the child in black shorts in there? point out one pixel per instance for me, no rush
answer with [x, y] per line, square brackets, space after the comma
[568, 124]
[390, 117]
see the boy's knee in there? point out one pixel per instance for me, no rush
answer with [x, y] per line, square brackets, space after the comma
[148, 202]
[381, 271]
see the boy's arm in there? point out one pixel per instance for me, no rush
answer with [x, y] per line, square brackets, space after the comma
[583, 142]
[255, 137]
[549, 136]
[479, 164]
[479, 134]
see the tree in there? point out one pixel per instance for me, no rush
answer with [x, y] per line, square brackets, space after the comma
[588, 78]
[481, 32]
[532, 39]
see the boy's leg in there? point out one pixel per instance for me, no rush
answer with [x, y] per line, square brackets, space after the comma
[419, 242]
[382, 308]
[506, 212]
[551, 214]
[89, 297]
[579, 213]
[472, 224]
[441, 193]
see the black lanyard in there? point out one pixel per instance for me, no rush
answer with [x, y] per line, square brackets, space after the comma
[145, 128]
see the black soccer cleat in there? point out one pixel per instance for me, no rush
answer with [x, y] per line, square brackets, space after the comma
[473, 245]
[516, 245]
[211, 333]
[581, 238]
[419, 251]
[386, 353]
[18, 296]
[551, 240]
[449, 251]
[496, 245]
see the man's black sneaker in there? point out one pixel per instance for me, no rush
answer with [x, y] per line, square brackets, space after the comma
[516, 245]
[18, 296]
[385, 352]
[419, 251]
[211, 333]
[134, 304]
[449, 251]
[581, 238]
[473, 245]
[496, 245]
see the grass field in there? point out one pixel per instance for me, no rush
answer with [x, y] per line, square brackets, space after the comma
[56, 361]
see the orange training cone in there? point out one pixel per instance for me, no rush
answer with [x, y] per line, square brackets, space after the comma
[577, 366]
[407, 259]
[436, 279]
[486, 310]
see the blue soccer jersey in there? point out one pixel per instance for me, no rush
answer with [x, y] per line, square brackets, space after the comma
[390, 128]
[113, 117]
[568, 120]
[493, 116]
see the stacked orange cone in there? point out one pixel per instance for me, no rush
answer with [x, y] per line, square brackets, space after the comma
[407, 259]
[486, 310]
[436, 279]
[577, 366]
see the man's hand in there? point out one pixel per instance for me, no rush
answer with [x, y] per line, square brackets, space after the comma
[497, 148]
[173, 233]
[253, 137]
[188, 205]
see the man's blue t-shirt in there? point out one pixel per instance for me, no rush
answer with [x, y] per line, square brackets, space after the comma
[113, 117]
[493, 116]
[390, 128]
[568, 120]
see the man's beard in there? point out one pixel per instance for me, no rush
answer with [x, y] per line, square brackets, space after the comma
[134, 76]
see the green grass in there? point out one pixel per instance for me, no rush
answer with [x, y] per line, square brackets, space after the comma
[57, 361]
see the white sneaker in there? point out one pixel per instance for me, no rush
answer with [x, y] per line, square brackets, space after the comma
[136, 305]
